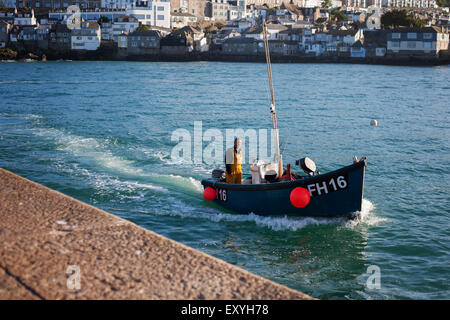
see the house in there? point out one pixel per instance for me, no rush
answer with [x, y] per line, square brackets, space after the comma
[291, 34]
[195, 38]
[357, 50]
[142, 42]
[5, 28]
[240, 46]
[273, 30]
[357, 16]
[123, 24]
[283, 47]
[88, 37]
[375, 42]
[122, 42]
[24, 17]
[224, 35]
[28, 34]
[218, 9]
[106, 30]
[42, 36]
[175, 44]
[182, 19]
[59, 37]
[239, 25]
[342, 40]
[418, 42]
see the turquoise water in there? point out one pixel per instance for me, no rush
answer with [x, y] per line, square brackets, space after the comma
[101, 132]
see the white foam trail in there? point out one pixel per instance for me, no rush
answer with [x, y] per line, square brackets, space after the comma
[176, 207]
[366, 216]
[92, 149]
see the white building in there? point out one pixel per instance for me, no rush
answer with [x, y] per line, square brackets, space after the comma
[182, 19]
[87, 37]
[25, 18]
[154, 13]
[124, 24]
[410, 3]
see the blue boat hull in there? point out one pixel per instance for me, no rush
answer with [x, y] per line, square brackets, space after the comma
[335, 194]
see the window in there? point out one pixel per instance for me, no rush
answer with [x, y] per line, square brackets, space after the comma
[160, 17]
[395, 44]
[427, 35]
[427, 45]
[160, 8]
[395, 35]
[411, 44]
[412, 35]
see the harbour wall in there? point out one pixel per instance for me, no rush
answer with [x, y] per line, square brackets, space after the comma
[56, 247]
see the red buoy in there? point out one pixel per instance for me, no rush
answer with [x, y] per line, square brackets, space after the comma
[209, 194]
[300, 197]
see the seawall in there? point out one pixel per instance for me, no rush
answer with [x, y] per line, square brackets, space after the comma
[56, 247]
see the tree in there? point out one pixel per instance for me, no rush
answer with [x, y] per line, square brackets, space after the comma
[326, 4]
[143, 27]
[400, 18]
[443, 3]
[337, 14]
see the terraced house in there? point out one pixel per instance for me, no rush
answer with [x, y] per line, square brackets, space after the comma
[143, 42]
[87, 37]
[415, 42]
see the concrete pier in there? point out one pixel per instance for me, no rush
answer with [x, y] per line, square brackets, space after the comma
[55, 247]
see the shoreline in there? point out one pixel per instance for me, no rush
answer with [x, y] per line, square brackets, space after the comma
[214, 57]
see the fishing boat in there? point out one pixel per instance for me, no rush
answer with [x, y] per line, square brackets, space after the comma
[275, 190]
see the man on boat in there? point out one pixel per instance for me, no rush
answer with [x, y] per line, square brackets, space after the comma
[233, 162]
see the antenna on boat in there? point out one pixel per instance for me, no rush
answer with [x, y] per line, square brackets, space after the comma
[272, 105]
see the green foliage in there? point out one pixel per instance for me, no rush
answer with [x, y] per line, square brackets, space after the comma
[400, 18]
[143, 27]
[443, 3]
[326, 4]
[337, 14]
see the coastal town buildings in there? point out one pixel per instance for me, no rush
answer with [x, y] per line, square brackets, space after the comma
[87, 37]
[60, 39]
[123, 24]
[143, 42]
[53, 4]
[177, 28]
[156, 13]
[417, 42]
[182, 19]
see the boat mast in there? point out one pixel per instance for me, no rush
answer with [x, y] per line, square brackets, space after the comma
[272, 105]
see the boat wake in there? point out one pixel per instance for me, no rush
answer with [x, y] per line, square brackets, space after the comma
[94, 152]
[365, 217]
[178, 208]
